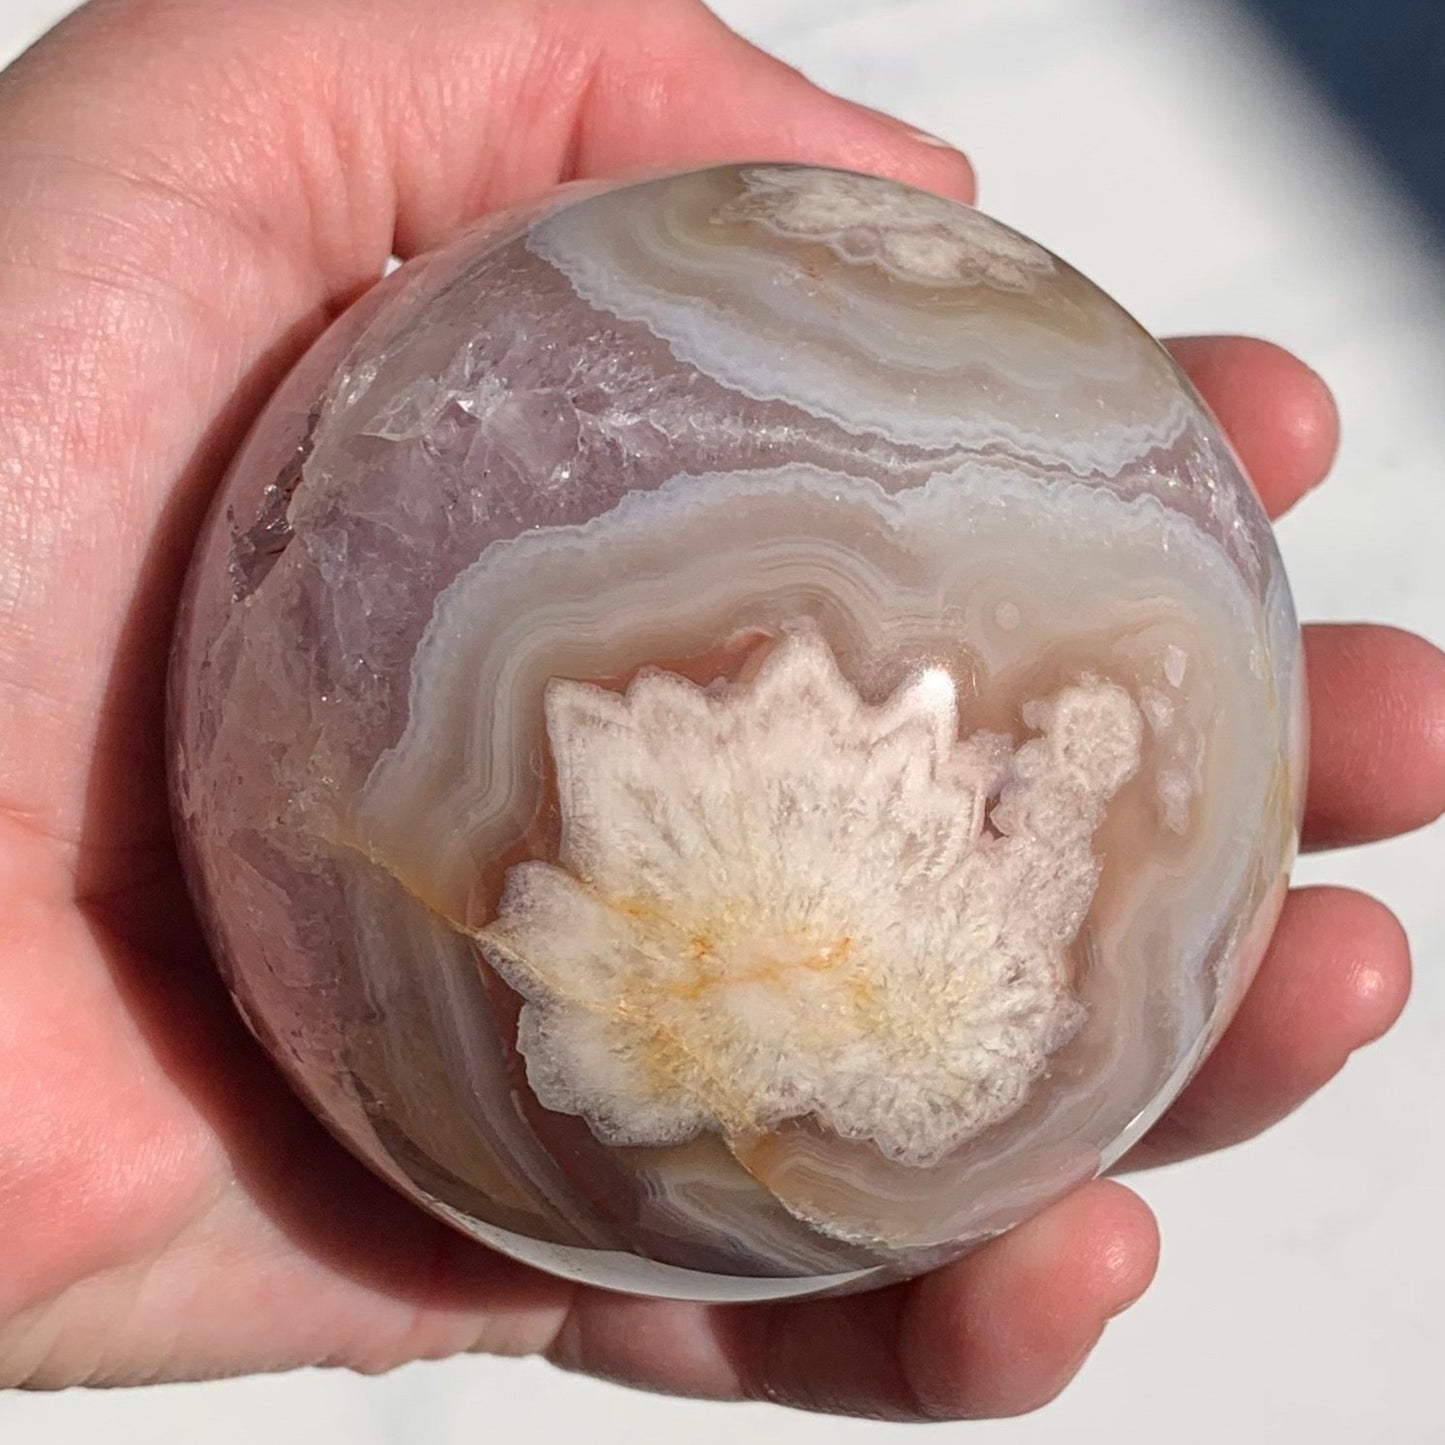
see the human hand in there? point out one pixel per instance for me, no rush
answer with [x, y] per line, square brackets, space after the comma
[188, 192]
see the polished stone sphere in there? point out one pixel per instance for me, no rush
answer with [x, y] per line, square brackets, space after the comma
[738, 734]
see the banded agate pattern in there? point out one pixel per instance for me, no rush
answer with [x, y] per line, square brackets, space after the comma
[737, 734]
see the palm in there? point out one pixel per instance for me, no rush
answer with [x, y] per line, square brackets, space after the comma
[149, 1158]
[172, 1152]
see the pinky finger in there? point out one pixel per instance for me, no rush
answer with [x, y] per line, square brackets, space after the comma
[997, 1333]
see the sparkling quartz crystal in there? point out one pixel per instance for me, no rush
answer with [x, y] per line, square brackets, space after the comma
[737, 734]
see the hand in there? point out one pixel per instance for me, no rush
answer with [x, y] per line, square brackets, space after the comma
[188, 192]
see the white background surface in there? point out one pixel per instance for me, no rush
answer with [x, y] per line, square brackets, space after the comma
[1164, 149]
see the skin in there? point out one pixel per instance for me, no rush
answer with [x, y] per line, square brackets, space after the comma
[189, 189]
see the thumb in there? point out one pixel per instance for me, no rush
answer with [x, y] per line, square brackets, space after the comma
[189, 189]
[343, 129]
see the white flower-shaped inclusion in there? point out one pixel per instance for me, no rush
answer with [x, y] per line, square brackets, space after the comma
[866, 220]
[774, 900]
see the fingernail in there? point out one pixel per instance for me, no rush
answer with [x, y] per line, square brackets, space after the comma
[920, 137]
[924, 138]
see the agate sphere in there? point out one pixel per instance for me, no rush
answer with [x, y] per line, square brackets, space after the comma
[737, 734]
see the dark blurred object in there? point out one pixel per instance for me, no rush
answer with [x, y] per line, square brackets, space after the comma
[1382, 62]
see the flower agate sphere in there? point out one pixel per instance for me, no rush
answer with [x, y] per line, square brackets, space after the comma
[737, 734]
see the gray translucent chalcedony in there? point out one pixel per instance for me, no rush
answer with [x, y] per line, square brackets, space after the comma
[737, 734]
